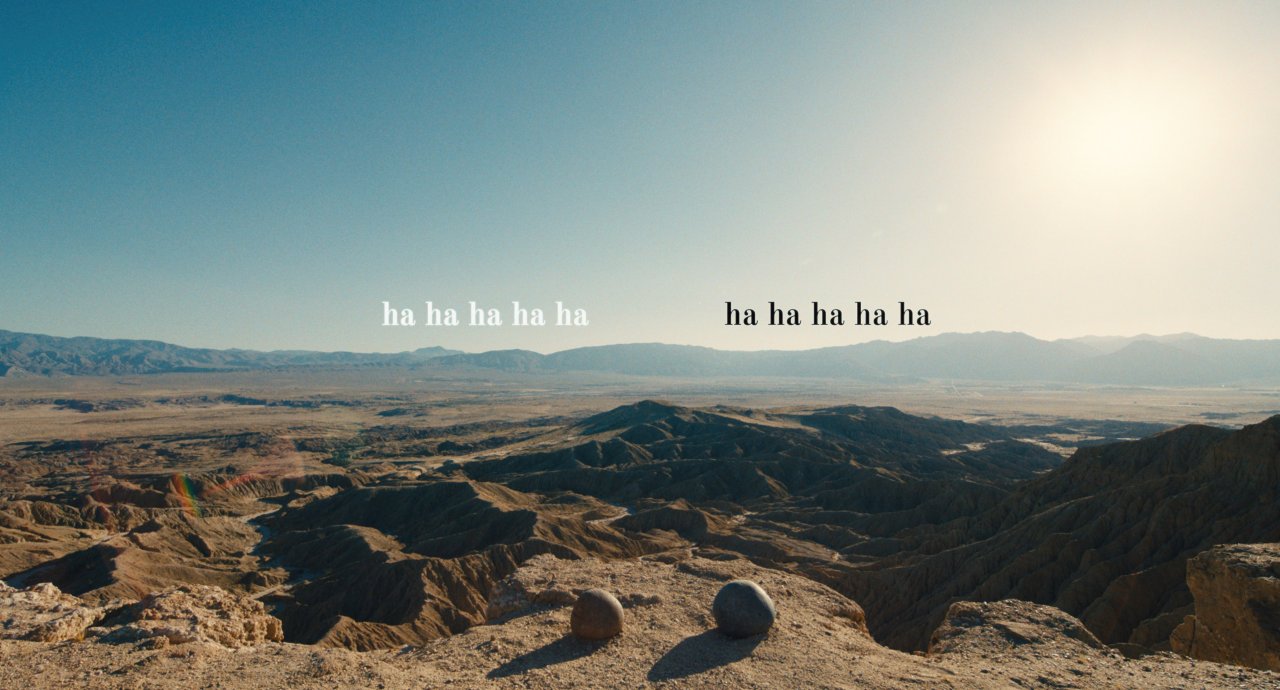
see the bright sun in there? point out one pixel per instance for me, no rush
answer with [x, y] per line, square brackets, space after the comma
[1119, 136]
[1131, 130]
[1125, 136]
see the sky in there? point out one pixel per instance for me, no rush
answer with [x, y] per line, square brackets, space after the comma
[266, 175]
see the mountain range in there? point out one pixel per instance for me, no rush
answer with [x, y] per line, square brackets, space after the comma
[1173, 360]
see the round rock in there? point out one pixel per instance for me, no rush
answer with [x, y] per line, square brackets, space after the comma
[743, 609]
[597, 615]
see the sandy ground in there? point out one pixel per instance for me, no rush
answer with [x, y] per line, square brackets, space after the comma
[668, 641]
[27, 412]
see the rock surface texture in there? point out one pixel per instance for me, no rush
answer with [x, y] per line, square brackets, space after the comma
[821, 642]
[177, 615]
[1237, 609]
[199, 613]
[597, 615]
[742, 609]
[44, 614]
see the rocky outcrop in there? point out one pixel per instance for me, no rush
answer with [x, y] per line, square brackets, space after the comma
[168, 549]
[408, 563]
[1237, 607]
[818, 640]
[905, 515]
[1105, 538]
[197, 613]
[872, 502]
[177, 615]
[42, 613]
[1004, 625]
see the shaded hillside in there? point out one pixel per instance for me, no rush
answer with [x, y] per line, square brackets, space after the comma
[903, 513]
[746, 457]
[908, 514]
[838, 482]
[405, 563]
[1105, 537]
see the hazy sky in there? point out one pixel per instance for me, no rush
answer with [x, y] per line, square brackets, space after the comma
[264, 175]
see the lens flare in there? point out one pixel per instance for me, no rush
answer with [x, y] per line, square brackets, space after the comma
[186, 492]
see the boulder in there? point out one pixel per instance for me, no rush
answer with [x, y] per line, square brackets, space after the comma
[1237, 607]
[597, 615]
[742, 609]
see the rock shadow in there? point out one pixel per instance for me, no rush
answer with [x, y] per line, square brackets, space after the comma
[566, 648]
[702, 652]
[521, 613]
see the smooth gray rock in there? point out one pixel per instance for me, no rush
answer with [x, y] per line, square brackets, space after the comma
[597, 615]
[743, 609]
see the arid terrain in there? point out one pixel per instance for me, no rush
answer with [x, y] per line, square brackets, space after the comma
[384, 527]
[560, 344]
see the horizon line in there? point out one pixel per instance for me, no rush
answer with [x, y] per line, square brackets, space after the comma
[1138, 336]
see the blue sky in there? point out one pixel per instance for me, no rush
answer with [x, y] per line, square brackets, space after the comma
[264, 175]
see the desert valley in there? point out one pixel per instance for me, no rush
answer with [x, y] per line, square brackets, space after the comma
[549, 344]
[410, 524]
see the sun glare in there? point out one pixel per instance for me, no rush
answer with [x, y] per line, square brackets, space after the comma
[1118, 136]
[1127, 135]
[1134, 129]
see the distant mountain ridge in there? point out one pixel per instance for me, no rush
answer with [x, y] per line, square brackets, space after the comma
[46, 355]
[1175, 360]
